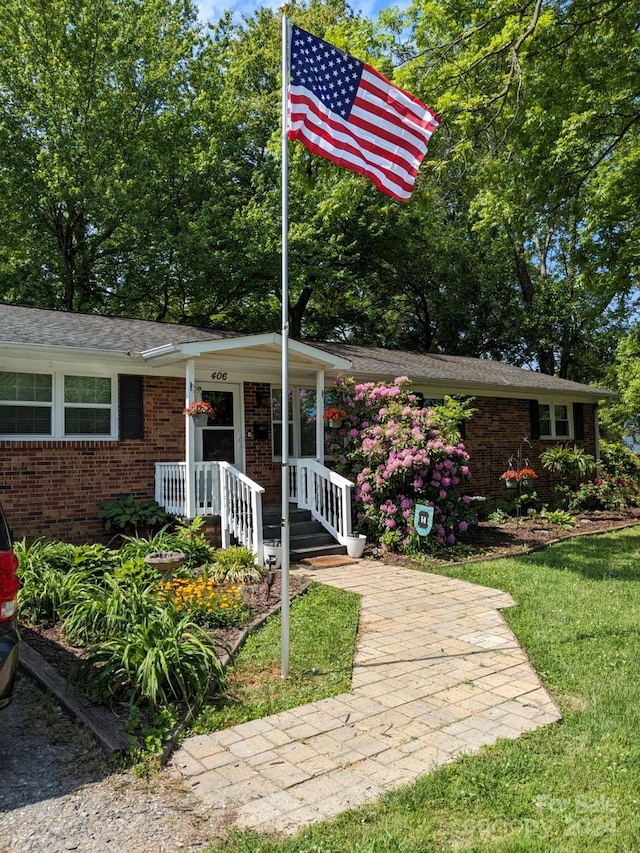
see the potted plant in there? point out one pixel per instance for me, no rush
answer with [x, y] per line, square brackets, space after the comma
[527, 476]
[355, 544]
[510, 478]
[334, 417]
[200, 411]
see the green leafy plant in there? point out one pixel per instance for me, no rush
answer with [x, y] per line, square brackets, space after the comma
[560, 517]
[125, 513]
[568, 463]
[48, 586]
[498, 516]
[164, 657]
[235, 565]
[183, 536]
[116, 604]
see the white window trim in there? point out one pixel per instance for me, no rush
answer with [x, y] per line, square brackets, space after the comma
[58, 406]
[553, 436]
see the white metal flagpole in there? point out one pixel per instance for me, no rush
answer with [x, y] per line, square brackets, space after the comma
[284, 530]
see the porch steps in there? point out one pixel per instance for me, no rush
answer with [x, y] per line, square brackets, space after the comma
[308, 538]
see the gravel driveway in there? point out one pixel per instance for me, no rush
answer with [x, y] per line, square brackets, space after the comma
[59, 794]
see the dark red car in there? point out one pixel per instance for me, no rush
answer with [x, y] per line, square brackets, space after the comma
[9, 637]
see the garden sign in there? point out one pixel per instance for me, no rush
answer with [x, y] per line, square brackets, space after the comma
[423, 519]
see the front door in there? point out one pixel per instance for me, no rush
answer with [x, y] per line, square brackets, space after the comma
[221, 439]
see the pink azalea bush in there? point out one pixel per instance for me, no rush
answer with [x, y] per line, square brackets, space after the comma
[399, 454]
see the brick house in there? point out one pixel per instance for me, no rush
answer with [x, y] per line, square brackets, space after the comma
[91, 407]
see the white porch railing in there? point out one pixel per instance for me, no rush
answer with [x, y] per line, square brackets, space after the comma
[241, 503]
[220, 490]
[326, 494]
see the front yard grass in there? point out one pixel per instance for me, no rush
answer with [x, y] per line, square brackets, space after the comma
[572, 787]
[322, 634]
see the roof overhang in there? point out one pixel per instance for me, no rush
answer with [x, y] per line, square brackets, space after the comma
[269, 343]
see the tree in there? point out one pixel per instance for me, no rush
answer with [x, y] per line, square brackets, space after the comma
[94, 125]
[540, 103]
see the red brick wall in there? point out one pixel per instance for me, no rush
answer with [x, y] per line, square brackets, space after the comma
[494, 434]
[54, 489]
[259, 454]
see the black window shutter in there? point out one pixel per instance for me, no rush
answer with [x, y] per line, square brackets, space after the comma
[578, 421]
[131, 411]
[534, 418]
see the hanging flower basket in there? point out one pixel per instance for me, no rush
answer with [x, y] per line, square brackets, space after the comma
[334, 417]
[510, 478]
[524, 476]
[200, 411]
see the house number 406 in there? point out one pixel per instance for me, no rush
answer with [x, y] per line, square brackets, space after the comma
[219, 376]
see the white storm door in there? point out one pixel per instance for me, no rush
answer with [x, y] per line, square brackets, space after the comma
[222, 439]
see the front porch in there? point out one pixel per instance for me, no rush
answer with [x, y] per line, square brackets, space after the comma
[219, 490]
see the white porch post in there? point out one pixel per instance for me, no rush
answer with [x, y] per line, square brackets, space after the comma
[319, 416]
[190, 443]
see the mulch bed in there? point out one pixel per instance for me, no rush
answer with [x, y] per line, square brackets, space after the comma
[486, 540]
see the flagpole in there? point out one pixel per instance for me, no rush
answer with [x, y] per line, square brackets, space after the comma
[284, 529]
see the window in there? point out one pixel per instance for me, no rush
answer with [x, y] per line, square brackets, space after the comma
[554, 420]
[26, 402]
[87, 405]
[277, 420]
[56, 405]
[302, 419]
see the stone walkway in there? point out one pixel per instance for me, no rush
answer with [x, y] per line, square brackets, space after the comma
[437, 673]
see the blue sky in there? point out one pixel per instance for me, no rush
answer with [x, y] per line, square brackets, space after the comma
[210, 10]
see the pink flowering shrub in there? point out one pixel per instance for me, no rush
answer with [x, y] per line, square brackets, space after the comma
[400, 454]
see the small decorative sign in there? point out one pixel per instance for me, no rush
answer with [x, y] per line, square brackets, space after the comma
[423, 519]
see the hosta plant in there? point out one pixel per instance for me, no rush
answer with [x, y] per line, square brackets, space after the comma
[235, 565]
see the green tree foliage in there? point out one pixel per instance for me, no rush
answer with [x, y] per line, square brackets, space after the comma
[94, 130]
[540, 100]
[140, 175]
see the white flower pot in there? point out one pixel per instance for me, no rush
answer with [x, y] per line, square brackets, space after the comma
[355, 545]
[201, 420]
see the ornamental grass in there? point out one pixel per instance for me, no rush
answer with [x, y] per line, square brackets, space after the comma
[210, 604]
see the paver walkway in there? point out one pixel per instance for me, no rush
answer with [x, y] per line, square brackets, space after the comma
[437, 673]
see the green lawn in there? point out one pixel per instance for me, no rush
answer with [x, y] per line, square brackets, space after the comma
[573, 786]
[322, 633]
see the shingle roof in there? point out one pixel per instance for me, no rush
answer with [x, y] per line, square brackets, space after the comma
[429, 367]
[19, 324]
[41, 326]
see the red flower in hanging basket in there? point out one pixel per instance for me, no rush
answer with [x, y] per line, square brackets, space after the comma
[522, 474]
[511, 474]
[334, 415]
[527, 474]
[201, 407]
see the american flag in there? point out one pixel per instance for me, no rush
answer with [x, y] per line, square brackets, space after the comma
[343, 109]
